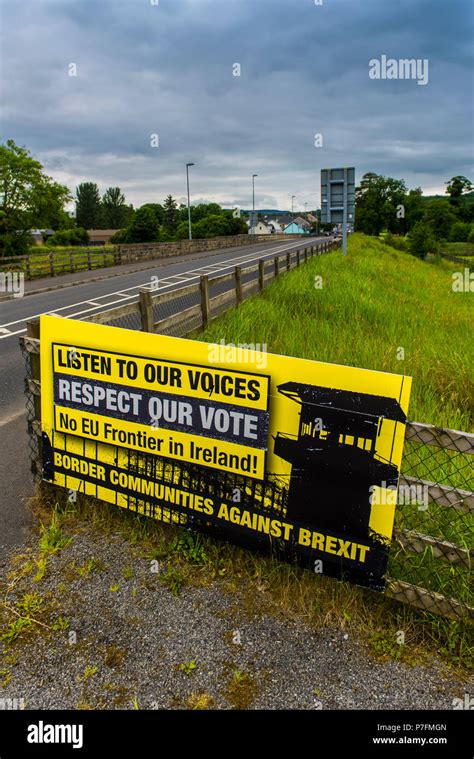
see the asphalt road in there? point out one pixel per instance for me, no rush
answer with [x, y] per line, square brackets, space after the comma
[120, 285]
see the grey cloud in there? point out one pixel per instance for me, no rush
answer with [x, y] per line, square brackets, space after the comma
[168, 69]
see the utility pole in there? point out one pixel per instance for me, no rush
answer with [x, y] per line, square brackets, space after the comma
[344, 216]
[189, 203]
[253, 202]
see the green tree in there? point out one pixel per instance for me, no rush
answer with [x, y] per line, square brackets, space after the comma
[28, 197]
[379, 202]
[203, 209]
[422, 240]
[214, 225]
[459, 232]
[144, 227]
[182, 231]
[114, 208]
[439, 217]
[413, 204]
[88, 206]
[235, 225]
[170, 220]
[60, 220]
[158, 210]
[456, 187]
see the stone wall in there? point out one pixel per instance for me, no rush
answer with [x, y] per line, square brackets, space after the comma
[151, 250]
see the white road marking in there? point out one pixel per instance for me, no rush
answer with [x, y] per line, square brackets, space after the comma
[11, 417]
[190, 275]
[226, 264]
[5, 331]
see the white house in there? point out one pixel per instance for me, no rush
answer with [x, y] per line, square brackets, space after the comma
[273, 223]
[260, 228]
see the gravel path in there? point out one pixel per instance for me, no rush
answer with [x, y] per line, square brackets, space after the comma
[133, 643]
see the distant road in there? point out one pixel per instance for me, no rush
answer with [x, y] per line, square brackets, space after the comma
[77, 302]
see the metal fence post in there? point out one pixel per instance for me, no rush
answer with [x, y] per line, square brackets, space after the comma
[204, 283]
[276, 263]
[146, 310]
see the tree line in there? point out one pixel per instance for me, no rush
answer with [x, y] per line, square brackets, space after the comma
[384, 204]
[29, 199]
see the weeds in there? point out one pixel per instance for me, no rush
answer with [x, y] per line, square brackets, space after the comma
[173, 579]
[188, 667]
[89, 671]
[52, 538]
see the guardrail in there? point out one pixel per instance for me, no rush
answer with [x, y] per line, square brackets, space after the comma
[191, 307]
[431, 552]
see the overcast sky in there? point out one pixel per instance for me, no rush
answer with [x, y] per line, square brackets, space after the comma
[167, 69]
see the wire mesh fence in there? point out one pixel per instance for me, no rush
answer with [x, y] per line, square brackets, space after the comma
[432, 549]
[430, 563]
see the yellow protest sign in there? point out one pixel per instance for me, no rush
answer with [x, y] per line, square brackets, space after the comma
[272, 451]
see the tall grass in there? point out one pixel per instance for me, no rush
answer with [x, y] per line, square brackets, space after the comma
[373, 302]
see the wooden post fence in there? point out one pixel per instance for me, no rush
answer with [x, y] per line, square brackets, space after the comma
[146, 311]
[204, 283]
[238, 285]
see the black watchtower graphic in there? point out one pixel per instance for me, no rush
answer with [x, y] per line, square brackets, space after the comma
[333, 458]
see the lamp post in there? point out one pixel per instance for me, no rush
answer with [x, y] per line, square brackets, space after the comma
[292, 199]
[189, 204]
[253, 202]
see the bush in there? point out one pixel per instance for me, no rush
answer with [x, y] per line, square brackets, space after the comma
[399, 243]
[118, 237]
[15, 244]
[75, 236]
[459, 232]
[182, 231]
[470, 237]
[422, 240]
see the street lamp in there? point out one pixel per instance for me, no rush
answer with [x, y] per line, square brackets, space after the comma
[253, 201]
[292, 199]
[189, 204]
